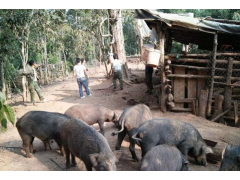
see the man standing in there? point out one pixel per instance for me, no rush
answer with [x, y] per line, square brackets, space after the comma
[80, 70]
[116, 69]
[148, 76]
[32, 78]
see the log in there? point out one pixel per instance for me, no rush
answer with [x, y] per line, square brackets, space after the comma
[193, 107]
[203, 103]
[191, 87]
[163, 95]
[168, 62]
[220, 115]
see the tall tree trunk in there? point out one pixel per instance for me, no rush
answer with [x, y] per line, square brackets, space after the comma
[118, 38]
[65, 63]
[44, 40]
[3, 79]
[24, 79]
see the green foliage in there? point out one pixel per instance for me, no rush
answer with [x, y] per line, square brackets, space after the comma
[52, 59]
[6, 112]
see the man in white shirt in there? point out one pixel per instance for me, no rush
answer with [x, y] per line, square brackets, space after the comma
[80, 71]
[116, 69]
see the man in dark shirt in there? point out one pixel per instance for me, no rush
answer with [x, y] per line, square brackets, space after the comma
[148, 79]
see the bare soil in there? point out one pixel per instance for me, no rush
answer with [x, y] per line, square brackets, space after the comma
[63, 94]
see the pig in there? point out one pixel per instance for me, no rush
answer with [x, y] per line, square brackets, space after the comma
[128, 123]
[83, 141]
[231, 159]
[92, 114]
[167, 131]
[41, 124]
[164, 157]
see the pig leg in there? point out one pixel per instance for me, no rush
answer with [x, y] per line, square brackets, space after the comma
[59, 143]
[26, 144]
[32, 150]
[73, 160]
[121, 136]
[101, 124]
[67, 153]
[88, 166]
[132, 150]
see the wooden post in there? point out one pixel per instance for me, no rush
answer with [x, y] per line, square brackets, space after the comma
[203, 103]
[215, 43]
[236, 114]
[228, 89]
[163, 95]
[218, 105]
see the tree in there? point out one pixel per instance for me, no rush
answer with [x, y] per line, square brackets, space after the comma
[20, 21]
[115, 17]
[6, 113]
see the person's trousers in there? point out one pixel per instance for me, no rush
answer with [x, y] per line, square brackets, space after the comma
[149, 81]
[117, 75]
[33, 86]
[83, 82]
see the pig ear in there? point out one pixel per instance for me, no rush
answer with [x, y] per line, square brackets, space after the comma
[118, 154]
[94, 159]
[206, 150]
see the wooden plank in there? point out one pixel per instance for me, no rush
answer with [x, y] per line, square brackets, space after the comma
[191, 86]
[179, 109]
[179, 86]
[191, 67]
[220, 115]
[204, 55]
[187, 76]
[200, 83]
[185, 100]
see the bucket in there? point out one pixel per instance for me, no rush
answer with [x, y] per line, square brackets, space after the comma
[150, 55]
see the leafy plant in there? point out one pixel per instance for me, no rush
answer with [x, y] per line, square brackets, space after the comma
[6, 113]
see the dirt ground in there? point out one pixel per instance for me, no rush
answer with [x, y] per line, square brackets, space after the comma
[63, 94]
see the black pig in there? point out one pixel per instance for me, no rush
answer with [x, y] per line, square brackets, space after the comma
[166, 131]
[84, 142]
[41, 124]
[164, 158]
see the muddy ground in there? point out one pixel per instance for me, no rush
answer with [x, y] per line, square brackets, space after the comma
[63, 94]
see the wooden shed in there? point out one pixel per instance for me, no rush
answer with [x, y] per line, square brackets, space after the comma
[207, 83]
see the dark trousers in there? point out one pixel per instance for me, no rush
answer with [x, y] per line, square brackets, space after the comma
[148, 81]
[117, 75]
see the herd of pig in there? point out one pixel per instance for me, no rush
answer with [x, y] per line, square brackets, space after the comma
[165, 143]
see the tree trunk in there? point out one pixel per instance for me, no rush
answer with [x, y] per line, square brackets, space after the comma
[117, 33]
[45, 59]
[65, 63]
[24, 80]
[3, 79]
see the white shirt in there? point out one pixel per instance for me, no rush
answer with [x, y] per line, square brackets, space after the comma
[35, 74]
[79, 69]
[116, 64]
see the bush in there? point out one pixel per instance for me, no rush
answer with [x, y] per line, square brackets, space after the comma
[6, 113]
